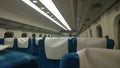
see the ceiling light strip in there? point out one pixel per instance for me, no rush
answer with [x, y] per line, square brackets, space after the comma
[51, 7]
[28, 2]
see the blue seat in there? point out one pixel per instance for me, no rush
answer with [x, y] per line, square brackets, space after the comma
[91, 57]
[36, 47]
[44, 62]
[28, 50]
[72, 45]
[70, 60]
[36, 51]
[12, 59]
[110, 44]
[49, 63]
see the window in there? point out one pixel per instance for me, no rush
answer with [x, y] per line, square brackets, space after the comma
[24, 35]
[33, 35]
[99, 31]
[40, 35]
[9, 35]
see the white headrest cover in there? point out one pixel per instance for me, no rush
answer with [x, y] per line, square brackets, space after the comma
[23, 42]
[2, 47]
[9, 41]
[55, 48]
[99, 58]
[90, 42]
[37, 39]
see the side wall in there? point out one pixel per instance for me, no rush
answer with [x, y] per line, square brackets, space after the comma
[17, 33]
[108, 23]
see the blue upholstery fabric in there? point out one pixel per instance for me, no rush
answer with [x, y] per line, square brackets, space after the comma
[36, 51]
[70, 48]
[71, 45]
[15, 44]
[36, 48]
[44, 62]
[28, 50]
[70, 60]
[74, 44]
[48, 63]
[110, 44]
[12, 59]
[2, 41]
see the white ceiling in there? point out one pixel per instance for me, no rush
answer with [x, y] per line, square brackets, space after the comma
[75, 12]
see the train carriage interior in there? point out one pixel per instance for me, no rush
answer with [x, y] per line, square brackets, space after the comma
[59, 33]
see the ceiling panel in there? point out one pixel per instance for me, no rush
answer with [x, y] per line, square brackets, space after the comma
[87, 12]
[18, 11]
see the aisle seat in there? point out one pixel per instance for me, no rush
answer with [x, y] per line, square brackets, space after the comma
[51, 59]
[24, 45]
[14, 59]
[91, 58]
[84, 42]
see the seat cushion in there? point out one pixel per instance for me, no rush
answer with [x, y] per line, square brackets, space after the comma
[12, 59]
[70, 60]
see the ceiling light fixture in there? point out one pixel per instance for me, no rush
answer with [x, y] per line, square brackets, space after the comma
[54, 18]
[28, 2]
[34, 1]
[42, 8]
[51, 15]
[48, 12]
[53, 9]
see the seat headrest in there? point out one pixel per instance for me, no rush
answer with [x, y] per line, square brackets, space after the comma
[99, 58]
[55, 48]
[23, 42]
[9, 41]
[91, 42]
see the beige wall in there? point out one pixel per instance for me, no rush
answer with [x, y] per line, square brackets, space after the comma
[17, 33]
[109, 22]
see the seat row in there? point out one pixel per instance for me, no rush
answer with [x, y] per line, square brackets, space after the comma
[92, 56]
[14, 59]
[49, 51]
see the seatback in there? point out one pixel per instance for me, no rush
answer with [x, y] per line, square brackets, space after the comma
[81, 43]
[70, 60]
[13, 59]
[110, 43]
[46, 62]
[36, 46]
[91, 58]
[24, 45]
[2, 41]
[72, 45]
